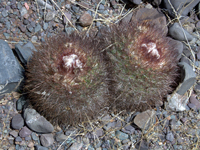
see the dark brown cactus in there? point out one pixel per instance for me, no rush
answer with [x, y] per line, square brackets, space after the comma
[142, 65]
[66, 80]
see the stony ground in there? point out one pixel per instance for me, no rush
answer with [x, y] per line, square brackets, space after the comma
[23, 21]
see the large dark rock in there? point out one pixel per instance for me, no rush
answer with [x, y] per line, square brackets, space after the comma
[179, 33]
[188, 78]
[10, 69]
[24, 52]
[182, 7]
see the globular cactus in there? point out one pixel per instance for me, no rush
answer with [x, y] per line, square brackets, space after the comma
[66, 80]
[142, 65]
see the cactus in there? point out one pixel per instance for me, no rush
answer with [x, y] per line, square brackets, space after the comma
[142, 65]
[66, 80]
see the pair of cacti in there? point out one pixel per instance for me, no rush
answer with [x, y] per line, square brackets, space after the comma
[72, 79]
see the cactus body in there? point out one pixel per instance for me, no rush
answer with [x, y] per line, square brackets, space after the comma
[66, 80]
[142, 65]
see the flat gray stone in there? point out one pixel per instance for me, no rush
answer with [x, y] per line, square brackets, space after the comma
[143, 120]
[10, 69]
[25, 132]
[177, 33]
[46, 139]
[17, 122]
[36, 122]
[188, 77]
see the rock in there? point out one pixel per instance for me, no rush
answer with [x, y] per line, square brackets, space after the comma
[101, 7]
[4, 13]
[177, 33]
[50, 15]
[22, 28]
[137, 2]
[14, 133]
[38, 147]
[37, 28]
[20, 103]
[75, 8]
[191, 106]
[188, 78]
[69, 30]
[99, 132]
[28, 138]
[113, 4]
[61, 137]
[10, 69]
[142, 145]
[33, 24]
[182, 7]
[190, 28]
[121, 135]
[76, 146]
[178, 46]
[72, 132]
[129, 129]
[46, 140]
[198, 10]
[30, 144]
[96, 133]
[184, 120]
[109, 125]
[24, 132]
[17, 122]
[8, 25]
[44, 4]
[151, 15]
[170, 136]
[198, 55]
[24, 52]
[142, 120]
[127, 18]
[156, 2]
[23, 11]
[193, 101]
[7, 35]
[85, 19]
[36, 122]
[34, 39]
[68, 15]
[18, 139]
[177, 102]
[106, 118]
[34, 136]
[29, 28]
[188, 6]
[25, 22]
[172, 124]
[45, 26]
